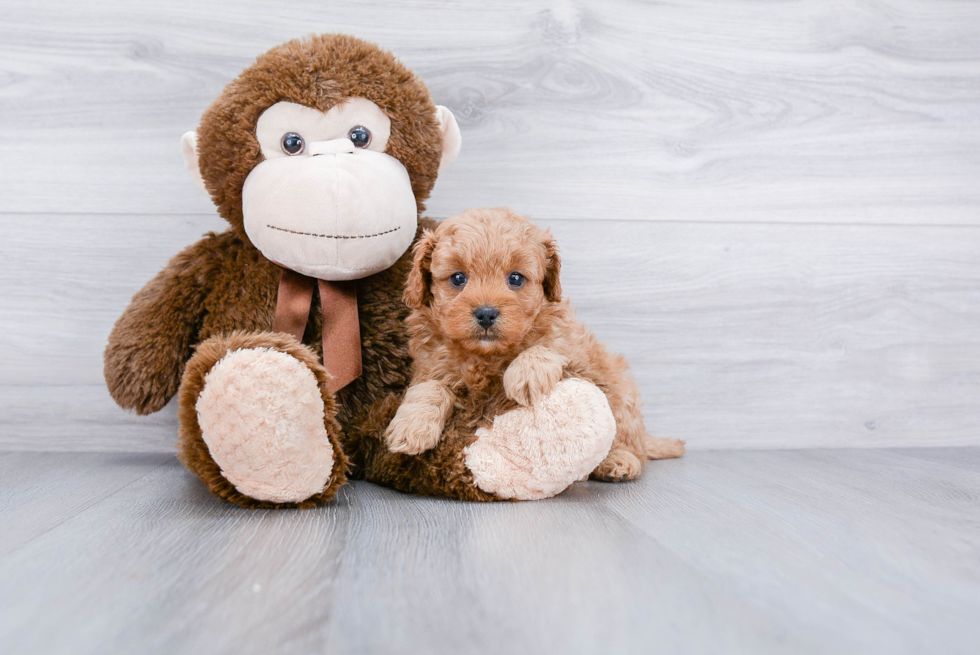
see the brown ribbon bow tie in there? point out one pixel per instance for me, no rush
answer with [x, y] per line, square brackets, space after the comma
[341, 329]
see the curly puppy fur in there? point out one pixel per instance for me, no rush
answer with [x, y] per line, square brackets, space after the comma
[531, 342]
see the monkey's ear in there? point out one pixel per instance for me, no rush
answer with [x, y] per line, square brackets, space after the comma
[417, 292]
[452, 140]
[552, 281]
[188, 146]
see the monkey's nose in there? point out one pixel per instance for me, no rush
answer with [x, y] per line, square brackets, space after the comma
[332, 147]
[486, 316]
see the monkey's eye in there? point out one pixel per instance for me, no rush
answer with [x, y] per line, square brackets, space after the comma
[292, 143]
[458, 280]
[515, 280]
[360, 136]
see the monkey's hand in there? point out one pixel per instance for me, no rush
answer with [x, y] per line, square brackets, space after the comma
[420, 419]
[152, 340]
[533, 375]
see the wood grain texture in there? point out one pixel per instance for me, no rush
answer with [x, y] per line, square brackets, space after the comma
[703, 111]
[857, 551]
[746, 336]
[39, 494]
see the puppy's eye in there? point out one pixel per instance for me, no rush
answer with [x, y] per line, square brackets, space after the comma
[292, 143]
[360, 136]
[515, 280]
[458, 280]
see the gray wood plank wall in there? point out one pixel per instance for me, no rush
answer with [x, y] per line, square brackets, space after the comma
[772, 208]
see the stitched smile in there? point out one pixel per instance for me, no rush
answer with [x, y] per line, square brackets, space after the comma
[334, 236]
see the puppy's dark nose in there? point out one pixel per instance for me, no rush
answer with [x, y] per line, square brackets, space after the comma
[486, 316]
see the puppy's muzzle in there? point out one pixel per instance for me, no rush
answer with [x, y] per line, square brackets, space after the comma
[486, 316]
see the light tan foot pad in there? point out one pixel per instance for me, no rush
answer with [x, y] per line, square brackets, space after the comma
[261, 416]
[539, 451]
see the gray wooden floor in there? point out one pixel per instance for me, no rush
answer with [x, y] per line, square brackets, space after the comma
[833, 551]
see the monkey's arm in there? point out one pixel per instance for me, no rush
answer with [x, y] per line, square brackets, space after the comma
[420, 419]
[152, 340]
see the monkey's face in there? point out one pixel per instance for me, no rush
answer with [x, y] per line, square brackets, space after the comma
[322, 154]
[327, 201]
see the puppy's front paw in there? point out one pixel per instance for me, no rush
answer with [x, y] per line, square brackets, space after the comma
[533, 375]
[415, 429]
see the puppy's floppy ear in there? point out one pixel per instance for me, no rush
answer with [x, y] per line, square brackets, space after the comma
[417, 292]
[552, 282]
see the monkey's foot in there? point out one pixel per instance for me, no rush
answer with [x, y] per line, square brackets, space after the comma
[262, 420]
[539, 451]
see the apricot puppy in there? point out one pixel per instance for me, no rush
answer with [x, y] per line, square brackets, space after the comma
[487, 319]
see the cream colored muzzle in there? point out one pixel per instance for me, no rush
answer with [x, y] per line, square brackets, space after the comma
[334, 213]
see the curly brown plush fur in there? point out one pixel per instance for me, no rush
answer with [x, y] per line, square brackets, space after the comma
[221, 291]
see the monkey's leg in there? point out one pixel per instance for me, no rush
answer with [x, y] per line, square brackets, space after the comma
[257, 423]
[439, 471]
[539, 451]
[527, 453]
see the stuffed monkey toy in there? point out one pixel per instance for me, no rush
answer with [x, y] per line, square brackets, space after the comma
[284, 336]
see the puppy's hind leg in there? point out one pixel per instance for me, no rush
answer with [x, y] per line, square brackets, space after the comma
[620, 465]
[633, 446]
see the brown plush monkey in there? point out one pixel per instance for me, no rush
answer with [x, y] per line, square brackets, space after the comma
[320, 156]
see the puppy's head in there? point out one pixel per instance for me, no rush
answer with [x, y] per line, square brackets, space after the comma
[483, 277]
